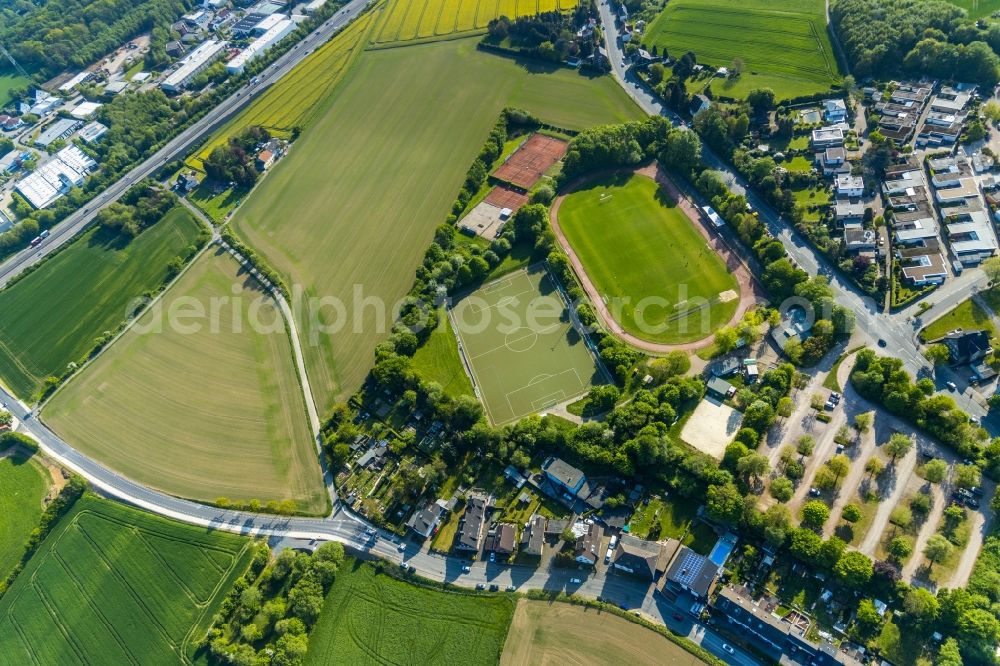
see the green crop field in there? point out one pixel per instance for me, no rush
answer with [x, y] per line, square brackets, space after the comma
[203, 413]
[524, 353]
[114, 585]
[352, 207]
[371, 618]
[23, 484]
[978, 8]
[659, 277]
[406, 20]
[52, 317]
[437, 360]
[784, 44]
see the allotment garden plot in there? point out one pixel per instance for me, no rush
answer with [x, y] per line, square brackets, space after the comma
[783, 43]
[653, 270]
[113, 585]
[520, 346]
[406, 20]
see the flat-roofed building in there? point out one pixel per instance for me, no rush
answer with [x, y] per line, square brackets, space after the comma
[66, 170]
[260, 45]
[194, 64]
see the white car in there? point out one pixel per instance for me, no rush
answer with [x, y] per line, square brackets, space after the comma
[466, 569]
[575, 581]
[728, 648]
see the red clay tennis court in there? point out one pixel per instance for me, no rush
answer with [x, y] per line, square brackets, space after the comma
[502, 196]
[531, 160]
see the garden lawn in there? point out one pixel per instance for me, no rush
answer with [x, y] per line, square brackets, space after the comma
[9, 81]
[370, 617]
[206, 413]
[639, 248]
[53, 315]
[353, 206]
[23, 484]
[406, 20]
[114, 585]
[437, 360]
[967, 315]
[784, 44]
[544, 632]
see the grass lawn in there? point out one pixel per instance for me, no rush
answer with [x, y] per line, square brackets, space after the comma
[830, 381]
[545, 632]
[9, 81]
[370, 617]
[114, 585]
[437, 360]
[967, 315]
[783, 43]
[361, 209]
[524, 353]
[798, 163]
[23, 484]
[900, 651]
[217, 206]
[199, 409]
[853, 533]
[52, 316]
[675, 521]
[640, 250]
[406, 20]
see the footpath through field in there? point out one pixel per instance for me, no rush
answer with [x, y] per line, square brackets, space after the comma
[750, 292]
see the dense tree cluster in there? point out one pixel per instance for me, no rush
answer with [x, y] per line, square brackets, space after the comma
[916, 37]
[549, 35]
[236, 161]
[267, 615]
[628, 144]
[141, 207]
[71, 34]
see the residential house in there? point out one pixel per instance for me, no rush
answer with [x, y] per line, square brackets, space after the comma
[588, 545]
[373, 457]
[533, 536]
[948, 171]
[966, 346]
[832, 161]
[850, 187]
[719, 388]
[691, 572]
[834, 110]
[564, 477]
[424, 521]
[265, 159]
[917, 93]
[846, 212]
[555, 527]
[914, 231]
[504, 540]
[698, 104]
[859, 240]
[949, 100]
[971, 237]
[785, 636]
[965, 189]
[470, 527]
[827, 137]
[922, 264]
[10, 123]
[642, 558]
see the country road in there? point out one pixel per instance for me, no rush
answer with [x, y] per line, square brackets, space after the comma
[180, 145]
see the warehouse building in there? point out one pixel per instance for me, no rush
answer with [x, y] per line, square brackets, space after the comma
[194, 64]
[56, 177]
[60, 129]
[260, 45]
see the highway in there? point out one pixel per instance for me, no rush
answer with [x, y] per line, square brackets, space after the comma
[180, 145]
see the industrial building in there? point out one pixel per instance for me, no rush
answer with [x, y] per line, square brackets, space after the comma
[56, 177]
[260, 45]
[194, 64]
[60, 129]
[92, 132]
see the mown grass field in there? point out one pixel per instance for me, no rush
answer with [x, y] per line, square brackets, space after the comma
[967, 315]
[978, 8]
[8, 81]
[23, 484]
[202, 413]
[638, 247]
[545, 632]
[437, 360]
[357, 199]
[52, 317]
[371, 618]
[784, 44]
[113, 585]
[405, 20]
[292, 101]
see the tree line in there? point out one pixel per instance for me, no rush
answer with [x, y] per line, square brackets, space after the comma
[236, 160]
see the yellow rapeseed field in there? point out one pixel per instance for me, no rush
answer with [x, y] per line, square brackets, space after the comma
[407, 20]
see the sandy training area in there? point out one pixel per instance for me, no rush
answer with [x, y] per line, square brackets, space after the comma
[711, 427]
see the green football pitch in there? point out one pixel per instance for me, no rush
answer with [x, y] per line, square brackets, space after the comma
[524, 354]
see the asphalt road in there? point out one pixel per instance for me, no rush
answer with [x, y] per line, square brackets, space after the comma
[179, 146]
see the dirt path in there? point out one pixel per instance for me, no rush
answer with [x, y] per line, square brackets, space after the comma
[749, 291]
[903, 469]
[859, 455]
[982, 522]
[926, 530]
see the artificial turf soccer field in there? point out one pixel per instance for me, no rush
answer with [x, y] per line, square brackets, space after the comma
[357, 199]
[53, 315]
[201, 414]
[784, 44]
[114, 585]
[524, 353]
[636, 244]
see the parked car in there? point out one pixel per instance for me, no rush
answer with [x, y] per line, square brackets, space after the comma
[728, 648]
[511, 588]
[972, 503]
[975, 490]
[951, 386]
[480, 586]
[575, 581]
[814, 492]
[493, 557]
[466, 569]
[494, 587]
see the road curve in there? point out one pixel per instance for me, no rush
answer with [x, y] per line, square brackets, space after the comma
[180, 145]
